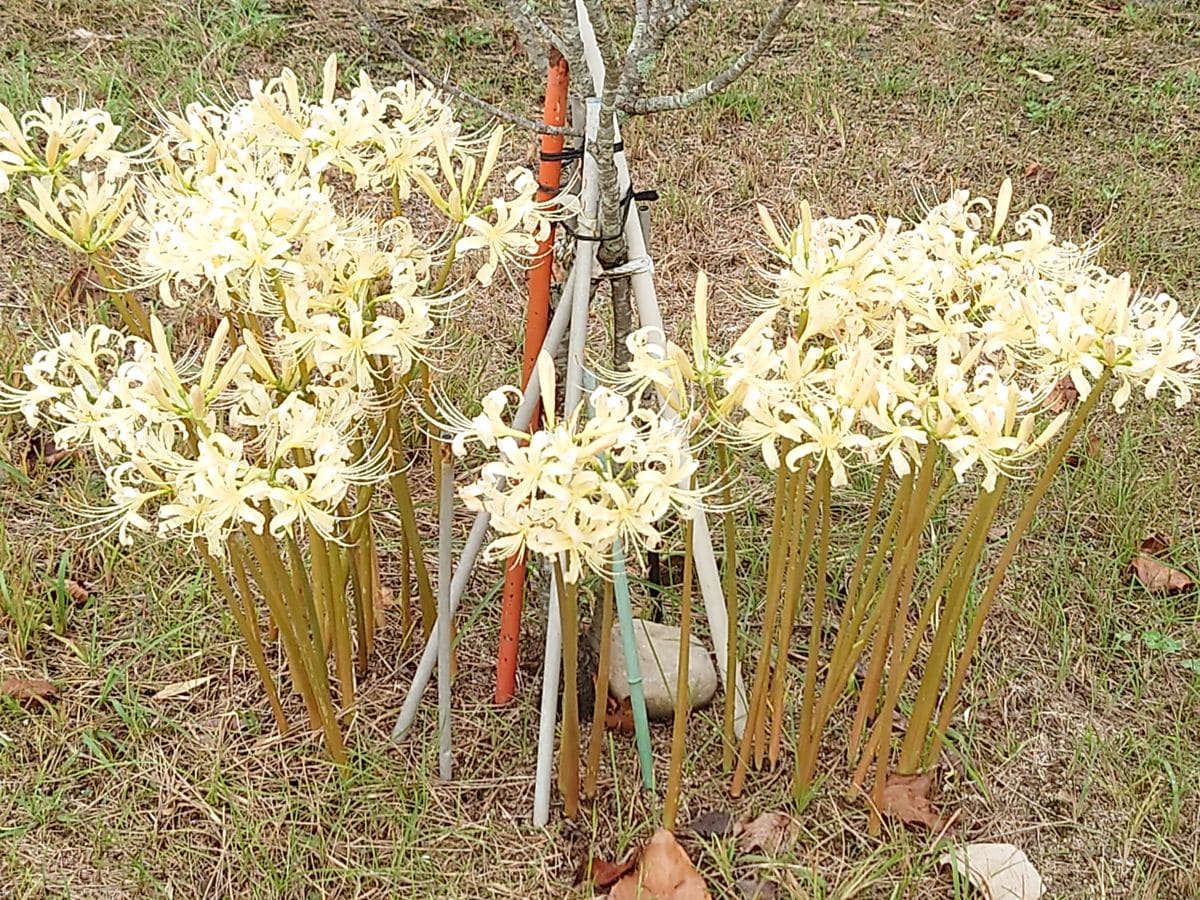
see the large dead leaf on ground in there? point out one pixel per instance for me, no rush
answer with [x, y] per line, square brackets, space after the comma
[906, 797]
[1153, 573]
[32, 693]
[768, 832]
[1000, 871]
[663, 873]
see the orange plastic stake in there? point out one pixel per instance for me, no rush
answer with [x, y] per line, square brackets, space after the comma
[537, 318]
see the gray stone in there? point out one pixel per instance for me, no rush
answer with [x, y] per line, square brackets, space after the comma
[658, 657]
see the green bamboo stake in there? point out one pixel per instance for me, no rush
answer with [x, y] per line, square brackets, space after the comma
[637, 698]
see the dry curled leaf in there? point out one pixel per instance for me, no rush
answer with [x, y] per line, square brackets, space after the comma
[754, 889]
[906, 797]
[31, 693]
[1155, 575]
[602, 873]
[1061, 396]
[1154, 544]
[78, 591]
[619, 715]
[664, 872]
[999, 871]
[1091, 451]
[384, 600]
[715, 823]
[44, 452]
[179, 688]
[767, 832]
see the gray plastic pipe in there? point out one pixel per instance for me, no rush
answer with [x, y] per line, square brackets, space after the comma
[479, 530]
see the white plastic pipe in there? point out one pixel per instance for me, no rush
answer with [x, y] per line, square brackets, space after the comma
[445, 617]
[585, 254]
[479, 530]
[650, 314]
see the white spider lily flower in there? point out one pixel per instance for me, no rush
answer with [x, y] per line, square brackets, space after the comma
[577, 484]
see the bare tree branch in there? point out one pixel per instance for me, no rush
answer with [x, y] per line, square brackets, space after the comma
[684, 99]
[526, 22]
[444, 84]
[673, 15]
[643, 46]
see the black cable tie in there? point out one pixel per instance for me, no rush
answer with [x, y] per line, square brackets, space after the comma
[626, 202]
[567, 154]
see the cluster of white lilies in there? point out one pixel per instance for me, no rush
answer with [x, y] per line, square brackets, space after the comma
[331, 239]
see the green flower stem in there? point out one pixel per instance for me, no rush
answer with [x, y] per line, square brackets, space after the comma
[851, 640]
[568, 753]
[248, 626]
[362, 561]
[600, 707]
[796, 576]
[789, 570]
[967, 654]
[850, 606]
[969, 544]
[312, 661]
[637, 697]
[784, 488]
[730, 590]
[301, 596]
[792, 523]
[809, 736]
[130, 309]
[398, 480]
[325, 556]
[912, 521]
[682, 698]
[278, 610]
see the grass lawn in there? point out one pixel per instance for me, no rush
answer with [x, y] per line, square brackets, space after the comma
[1082, 740]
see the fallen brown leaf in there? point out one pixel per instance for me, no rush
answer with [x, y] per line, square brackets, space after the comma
[44, 452]
[31, 693]
[619, 715]
[999, 871]
[78, 592]
[1154, 544]
[180, 688]
[906, 797]
[604, 874]
[711, 824]
[1036, 171]
[384, 600]
[753, 889]
[1092, 452]
[1157, 576]
[1061, 396]
[767, 832]
[663, 873]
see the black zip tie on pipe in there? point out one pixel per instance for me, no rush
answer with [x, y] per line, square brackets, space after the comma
[626, 202]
